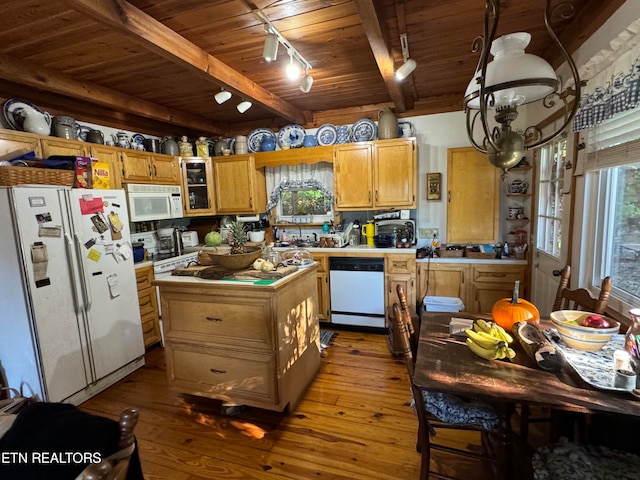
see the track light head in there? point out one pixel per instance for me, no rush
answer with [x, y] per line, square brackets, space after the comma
[270, 52]
[405, 70]
[307, 81]
[222, 96]
[244, 106]
[293, 72]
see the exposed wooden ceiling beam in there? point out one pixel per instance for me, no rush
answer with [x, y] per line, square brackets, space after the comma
[37, 77]
[378, 40]
[155, 36]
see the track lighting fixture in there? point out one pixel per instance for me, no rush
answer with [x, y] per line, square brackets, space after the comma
[296, 61]
[307, 81]
[271, 43]
[222, 96]
[244, 106]
[409, 64]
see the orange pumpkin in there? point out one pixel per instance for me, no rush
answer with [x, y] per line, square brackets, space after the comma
[507, 311]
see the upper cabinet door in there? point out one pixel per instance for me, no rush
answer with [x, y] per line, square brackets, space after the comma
[197, 186]
[395, 174]
[166, 169]
[352, 176]
[62, 146]
[11, 141]
[473, 208]
[239, 187]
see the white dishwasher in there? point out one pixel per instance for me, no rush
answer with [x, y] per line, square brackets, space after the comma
[357, 291]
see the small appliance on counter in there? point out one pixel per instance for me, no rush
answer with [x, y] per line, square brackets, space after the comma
[404, 230]
[190, 238]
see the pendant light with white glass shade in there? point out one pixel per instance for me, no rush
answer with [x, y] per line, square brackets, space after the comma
[512, 79]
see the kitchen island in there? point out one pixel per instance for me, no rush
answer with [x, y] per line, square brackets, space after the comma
[242, 342]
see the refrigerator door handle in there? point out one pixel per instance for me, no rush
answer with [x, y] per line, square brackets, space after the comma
[76, 297]
[86, 290]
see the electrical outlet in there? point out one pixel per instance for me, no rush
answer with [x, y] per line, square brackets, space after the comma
[428, 232]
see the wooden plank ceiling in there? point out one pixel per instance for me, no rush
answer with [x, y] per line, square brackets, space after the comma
[154, 65]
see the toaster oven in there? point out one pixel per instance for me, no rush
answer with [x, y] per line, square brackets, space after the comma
[402, 228]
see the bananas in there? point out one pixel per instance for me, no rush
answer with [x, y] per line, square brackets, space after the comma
[489, 341]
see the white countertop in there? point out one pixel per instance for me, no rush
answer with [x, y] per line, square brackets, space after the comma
[354, 249]
[144, 263]
[503, 261]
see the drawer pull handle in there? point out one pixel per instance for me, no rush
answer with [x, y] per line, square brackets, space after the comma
[213, 370]
[214, 319]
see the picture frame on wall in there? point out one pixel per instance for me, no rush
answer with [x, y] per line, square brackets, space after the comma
[434, 183]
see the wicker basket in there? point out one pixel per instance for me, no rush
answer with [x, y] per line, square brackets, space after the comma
[10, 176]
[444, 253]
[221, 257]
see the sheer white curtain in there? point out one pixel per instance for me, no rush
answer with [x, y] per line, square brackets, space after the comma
[317, 175]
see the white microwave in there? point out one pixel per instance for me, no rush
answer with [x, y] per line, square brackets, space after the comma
[153, 202]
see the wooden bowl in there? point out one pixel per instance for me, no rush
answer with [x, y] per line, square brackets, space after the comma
[221, 257]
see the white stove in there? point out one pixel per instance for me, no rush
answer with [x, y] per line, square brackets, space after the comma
[163, 264]
[163, 268]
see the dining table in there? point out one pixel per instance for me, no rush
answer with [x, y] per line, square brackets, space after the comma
[445, 364]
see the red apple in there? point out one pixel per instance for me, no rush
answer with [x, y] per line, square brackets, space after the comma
[595, 321]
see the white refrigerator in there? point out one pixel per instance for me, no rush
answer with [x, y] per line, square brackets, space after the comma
[69, 317]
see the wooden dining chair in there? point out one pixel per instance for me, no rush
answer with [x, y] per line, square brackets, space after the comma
[580, 298]
[567, 299]
[442, 411]
[116, 465]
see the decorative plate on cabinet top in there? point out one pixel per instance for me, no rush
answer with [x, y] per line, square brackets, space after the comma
[364, 130]
[137, 138]
[254, 139]
[13, 112]
[292, 135]
[327, 134]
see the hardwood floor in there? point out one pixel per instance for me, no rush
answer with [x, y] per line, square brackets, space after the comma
[354, 423]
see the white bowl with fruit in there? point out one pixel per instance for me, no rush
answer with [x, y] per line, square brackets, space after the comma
[586, 331]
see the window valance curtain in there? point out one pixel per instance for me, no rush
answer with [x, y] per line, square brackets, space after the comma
[318, 175]
[613, 80]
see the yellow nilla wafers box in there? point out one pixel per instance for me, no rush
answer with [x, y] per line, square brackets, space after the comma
[100, 175]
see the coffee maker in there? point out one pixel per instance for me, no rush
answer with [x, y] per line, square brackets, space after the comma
[165, 240]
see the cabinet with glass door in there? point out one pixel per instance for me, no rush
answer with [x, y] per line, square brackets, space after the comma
[197, 186]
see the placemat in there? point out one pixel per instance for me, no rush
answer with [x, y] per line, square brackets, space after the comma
[595, 368]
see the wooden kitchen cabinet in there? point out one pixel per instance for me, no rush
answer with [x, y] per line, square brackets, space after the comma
[478, 285]
[238, 186]
[12, 141]
[111, 156]
[63, 146]
[197, 186]
[492, 282]
[324, 294]
[256, 345]
[379, 174]
[146, 167]
[444, 280]
[399, 269]
[473, 196]
[148, 304]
